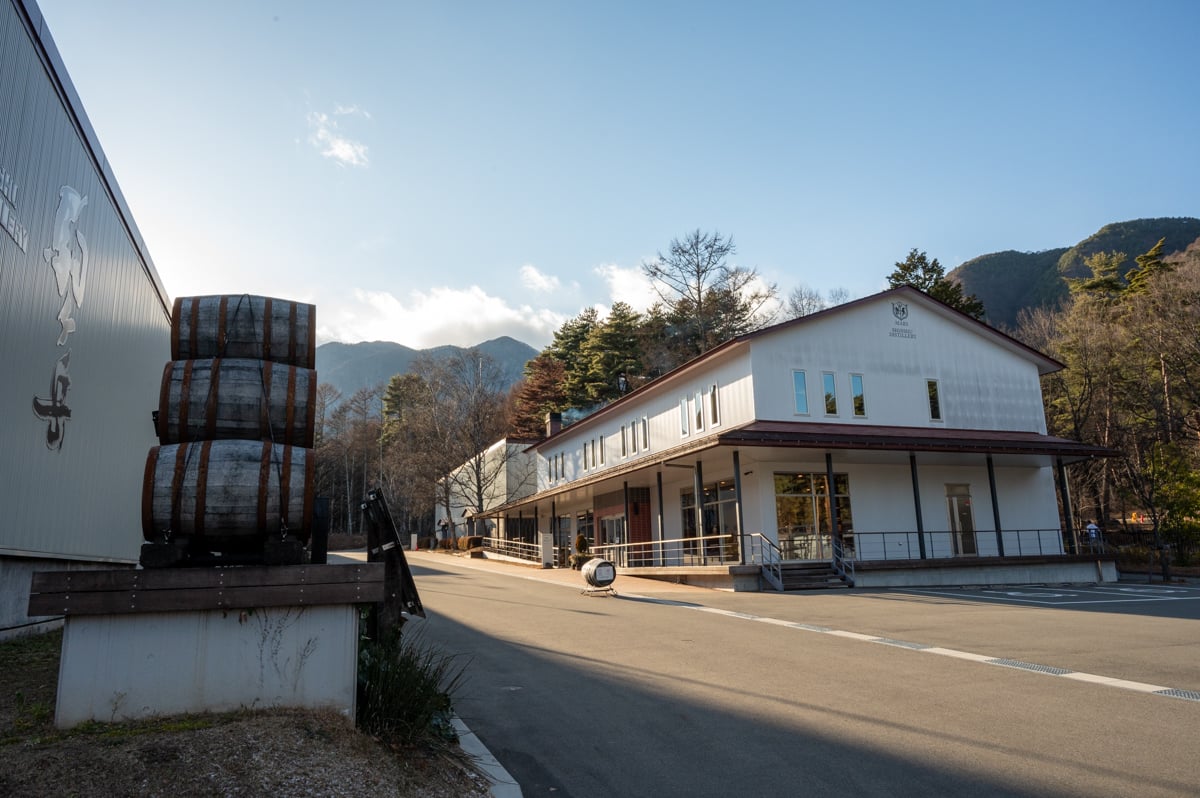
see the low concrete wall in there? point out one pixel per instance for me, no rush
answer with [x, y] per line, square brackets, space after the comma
[124, 667]
[997, 574]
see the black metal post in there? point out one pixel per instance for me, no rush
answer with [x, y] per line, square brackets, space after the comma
[698, 486]
[995, 505]
[737, 504]
[912, 466]
[662, 535]
[1065, 496]
[835, 527]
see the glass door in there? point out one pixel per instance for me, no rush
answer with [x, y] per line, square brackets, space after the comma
[962, 519]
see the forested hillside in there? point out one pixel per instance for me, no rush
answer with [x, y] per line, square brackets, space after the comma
[1008, 282]
[349, 367]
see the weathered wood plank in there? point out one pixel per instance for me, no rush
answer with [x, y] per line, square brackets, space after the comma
[182, 578]
[160, 590]
[112, 602]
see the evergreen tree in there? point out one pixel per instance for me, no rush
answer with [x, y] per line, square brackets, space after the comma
[612, 349]
[538, 394]
[1149, 266]
[930, 277]
[567, 348]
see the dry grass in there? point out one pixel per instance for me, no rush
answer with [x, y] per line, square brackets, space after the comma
[265, 753]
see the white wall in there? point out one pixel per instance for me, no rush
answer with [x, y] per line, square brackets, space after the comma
[982, 385]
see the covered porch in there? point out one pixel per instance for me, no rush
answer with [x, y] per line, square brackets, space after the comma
[869, 503]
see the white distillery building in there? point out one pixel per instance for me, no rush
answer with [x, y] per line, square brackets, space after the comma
[84, 331]
[890, 440]
[504, 472]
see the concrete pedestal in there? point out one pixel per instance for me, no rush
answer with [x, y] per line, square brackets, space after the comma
[125, 667]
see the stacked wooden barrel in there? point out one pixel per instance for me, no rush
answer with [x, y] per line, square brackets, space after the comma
[232, 479]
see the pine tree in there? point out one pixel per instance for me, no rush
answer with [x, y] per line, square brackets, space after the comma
[930, 277]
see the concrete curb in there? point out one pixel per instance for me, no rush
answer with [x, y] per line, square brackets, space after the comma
[503, 784]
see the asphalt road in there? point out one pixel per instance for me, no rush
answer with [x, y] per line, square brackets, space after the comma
[673, 691]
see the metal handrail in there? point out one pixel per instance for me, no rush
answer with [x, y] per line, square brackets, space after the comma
[514, 548]
[763, 552]
[872, 545]
[702, 550]
[843, 566]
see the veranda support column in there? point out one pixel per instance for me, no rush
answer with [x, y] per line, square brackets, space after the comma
[698, 487]
[996, 506]
[662, 535]
[1065, 496]
[912, 466]
[835, 527]
[737, 503]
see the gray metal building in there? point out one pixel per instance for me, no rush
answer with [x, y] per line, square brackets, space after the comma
[84, 331]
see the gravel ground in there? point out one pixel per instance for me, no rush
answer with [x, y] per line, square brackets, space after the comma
[281, 753]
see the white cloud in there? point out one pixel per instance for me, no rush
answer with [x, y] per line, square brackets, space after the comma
[535, 280]
[325, 136]
[439, 316]
[627, 285]
[351, 110]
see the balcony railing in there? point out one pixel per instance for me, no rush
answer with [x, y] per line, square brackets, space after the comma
[706, 550]
[759, 550]
[907, 545]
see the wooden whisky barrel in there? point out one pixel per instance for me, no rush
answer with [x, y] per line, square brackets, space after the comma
[236, 398]
[244, 326]
[227, 496]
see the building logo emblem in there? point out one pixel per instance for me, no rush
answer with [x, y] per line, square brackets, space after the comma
[68, 257]
[900, 310]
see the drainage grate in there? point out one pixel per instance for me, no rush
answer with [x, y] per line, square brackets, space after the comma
[1186, 695]
[887, 641]
[1029, 666]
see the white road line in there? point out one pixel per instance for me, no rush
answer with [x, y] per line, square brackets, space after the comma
[982, 659]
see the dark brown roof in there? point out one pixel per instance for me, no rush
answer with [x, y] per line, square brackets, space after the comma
[924, 439]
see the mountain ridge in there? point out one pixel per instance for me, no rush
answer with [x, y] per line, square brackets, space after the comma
[350, 367]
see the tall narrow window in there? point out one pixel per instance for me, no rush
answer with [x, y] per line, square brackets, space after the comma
[645, 433]
[935, 404]
[683, 417]
[714, 415]
[698, 406]
[857, 396]
[633, 436]
[800, 392]
[586, 447]
[594, 451]
[830, 393]
[624, 441]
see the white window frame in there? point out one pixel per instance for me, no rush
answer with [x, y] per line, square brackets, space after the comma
[801, 394]
[685, 427]
[645, 433]
[698, 410]
[829, 380]
[601, 450]
[714, 413]
[933, 394]
[858, 395]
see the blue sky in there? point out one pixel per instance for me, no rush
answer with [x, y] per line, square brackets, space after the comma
[448, 172]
